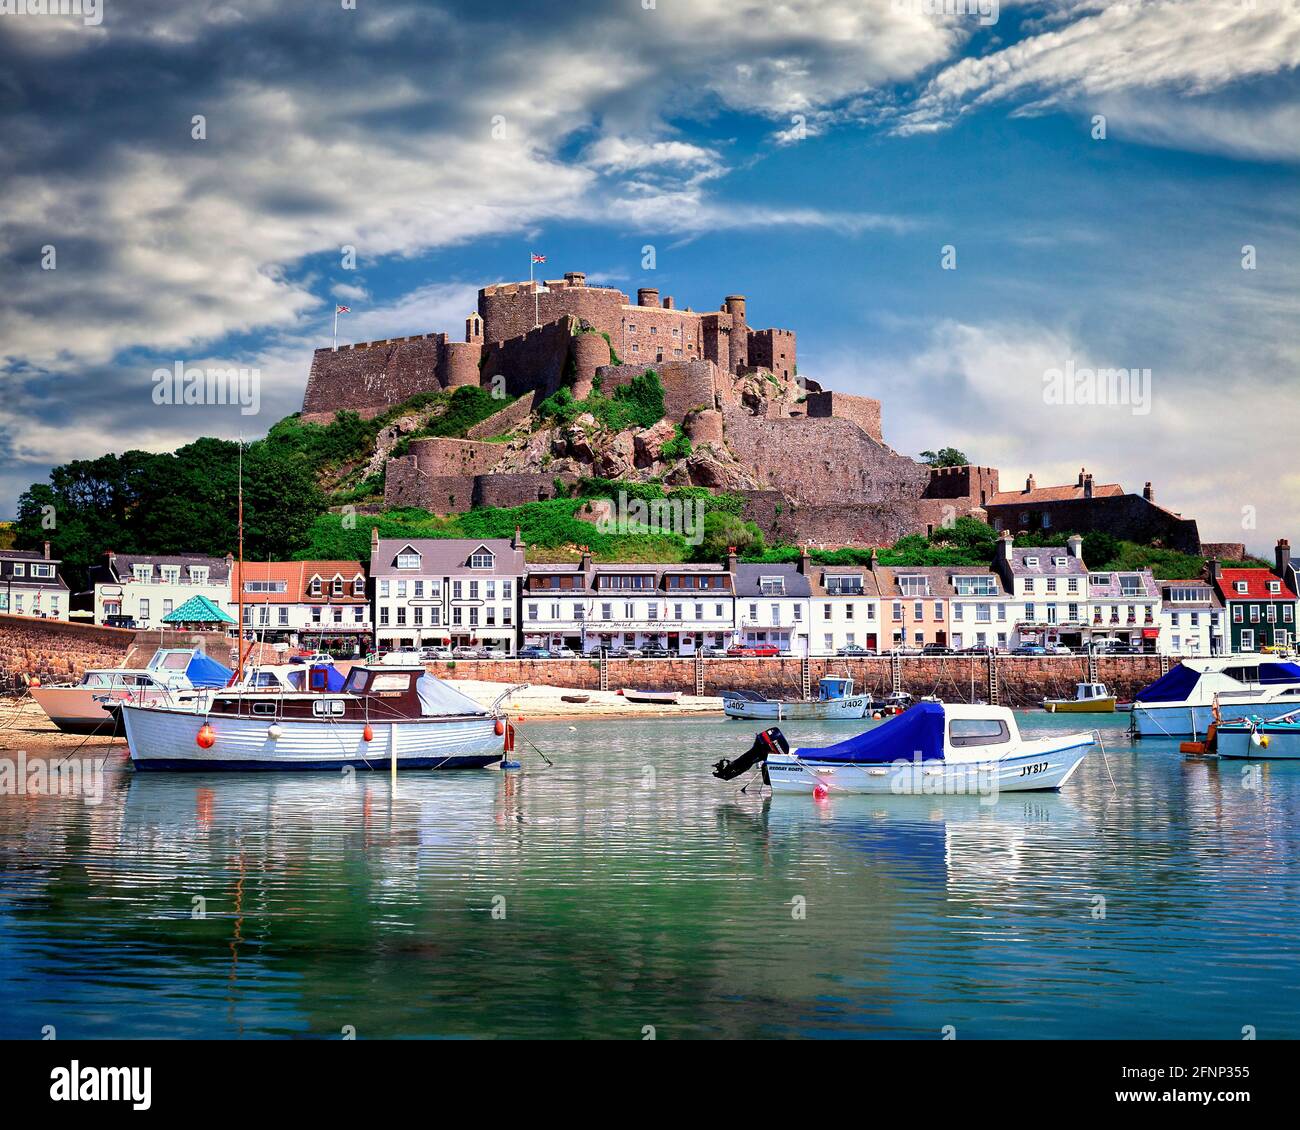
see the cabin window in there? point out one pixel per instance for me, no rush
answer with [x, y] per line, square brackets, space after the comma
[359, 677]
[330, 707]
[263, 708]
[390, 681]
[964, 732]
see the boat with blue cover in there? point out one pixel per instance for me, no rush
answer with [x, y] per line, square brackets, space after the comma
[932, 748]
[835, 701]
[1182, 703]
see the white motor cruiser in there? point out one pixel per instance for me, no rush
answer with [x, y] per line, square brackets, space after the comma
[1181, 703]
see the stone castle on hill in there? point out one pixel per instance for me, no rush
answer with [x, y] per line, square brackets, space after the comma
[812, 463]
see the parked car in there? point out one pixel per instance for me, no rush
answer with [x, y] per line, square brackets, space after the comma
[854, 649]
[624, 653]
[749, 651]
[562, 651]
[978, 649]
[714, 652]
[433, 654]
[937, 649]
[496, 653]
[1030, 649]
[654, 651]
[534, 653]
[119, 622]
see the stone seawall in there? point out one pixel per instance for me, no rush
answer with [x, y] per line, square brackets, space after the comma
[57, 649]
[1022, 681]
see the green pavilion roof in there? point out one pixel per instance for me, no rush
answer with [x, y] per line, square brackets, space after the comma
[198, 610]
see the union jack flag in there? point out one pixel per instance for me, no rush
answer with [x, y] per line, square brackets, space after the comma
[343, 310]
[539, 258]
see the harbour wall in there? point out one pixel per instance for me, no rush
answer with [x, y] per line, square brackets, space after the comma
[1023, 681]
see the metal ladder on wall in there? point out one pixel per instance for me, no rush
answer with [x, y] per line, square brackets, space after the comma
[1164, 664]
[604, 671]
[993, 680]
[699, 674]
[896, 672]
[805, 677]
[1092, 667]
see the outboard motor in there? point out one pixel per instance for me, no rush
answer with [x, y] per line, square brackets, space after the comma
[768, 741]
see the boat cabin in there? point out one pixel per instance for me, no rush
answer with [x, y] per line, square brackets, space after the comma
[369, 694]
[832, 689]
[1086, 692]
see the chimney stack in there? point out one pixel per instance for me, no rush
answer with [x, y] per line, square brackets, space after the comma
[1214, 569]
[1004, 547]
[1087, 486]
[668, 303]
[1082, 472]
[1030, 484]
[47, 551]
[875, 560]
[1282, 555]
[517, 542]
[731, 559]
[1148, 493]
[374, 540]
[585, 564]
[1074, 543]
[805, 561]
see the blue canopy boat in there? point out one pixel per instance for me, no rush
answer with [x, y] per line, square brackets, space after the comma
[931, 748]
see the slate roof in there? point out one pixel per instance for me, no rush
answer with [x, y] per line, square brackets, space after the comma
[446, 557]
[122, 566]
[1111, 588]
[749, 579]
[1045, 554]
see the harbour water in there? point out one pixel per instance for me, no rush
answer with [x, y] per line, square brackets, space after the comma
[625, 893]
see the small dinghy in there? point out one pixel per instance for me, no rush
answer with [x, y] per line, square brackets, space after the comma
[835, 701]
[655, 698]
[1089, 698]
[933, 748]
[1258, 738]
[575, 698]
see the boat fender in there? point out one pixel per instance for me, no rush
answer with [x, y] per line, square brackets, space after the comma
[206, 737]
[500, 727]
[274, 732]
[368, 734]
[509, 745]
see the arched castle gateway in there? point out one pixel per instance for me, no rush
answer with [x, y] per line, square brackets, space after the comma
[812, 462]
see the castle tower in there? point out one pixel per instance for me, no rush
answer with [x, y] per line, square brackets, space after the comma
[474, 329]
[647, 296]
[739, 348]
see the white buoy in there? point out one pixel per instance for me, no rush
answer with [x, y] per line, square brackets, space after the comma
[274, 732]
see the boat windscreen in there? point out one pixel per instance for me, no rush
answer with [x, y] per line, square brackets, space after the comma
[437, 697]
[1279, 673]
[1173, 686]
[917, 732]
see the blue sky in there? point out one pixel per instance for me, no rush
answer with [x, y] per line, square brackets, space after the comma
[678, 127]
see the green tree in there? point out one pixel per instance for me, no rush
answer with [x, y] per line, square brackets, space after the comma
[945, 457]
[723, 530]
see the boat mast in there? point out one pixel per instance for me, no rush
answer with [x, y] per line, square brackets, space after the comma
[239, 626]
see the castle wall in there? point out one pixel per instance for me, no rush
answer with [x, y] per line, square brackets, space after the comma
[861, 410]
[828, 525]
[976, 484]
[439, 456]
[511, 416]
[823, 461]
[774, 350]
[508, 308]
[650, 334]
[371, 376]
[687, 384]
[537, 361]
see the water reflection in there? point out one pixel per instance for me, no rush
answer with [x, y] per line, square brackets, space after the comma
[625, 887]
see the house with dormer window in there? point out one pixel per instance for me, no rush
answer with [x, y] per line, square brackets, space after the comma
[1259, 604]
[30, 584]
[315, 605]
[1048, 592]
[135, 590]
[446, 592]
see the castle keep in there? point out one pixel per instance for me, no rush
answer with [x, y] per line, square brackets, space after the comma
[812, 463]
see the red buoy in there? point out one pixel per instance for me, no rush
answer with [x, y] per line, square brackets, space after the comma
[368, 733]
[500, 727]
[820, 792]
[206, 736]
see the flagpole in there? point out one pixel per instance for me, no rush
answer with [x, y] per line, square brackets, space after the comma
[336, 327]
[537, 310]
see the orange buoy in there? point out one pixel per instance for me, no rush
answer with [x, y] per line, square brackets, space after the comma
[500, 727]
[368, 733]
[206, 736]
[36, 682]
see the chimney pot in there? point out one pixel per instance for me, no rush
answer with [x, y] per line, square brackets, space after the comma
[47, 551]
[1148, 493]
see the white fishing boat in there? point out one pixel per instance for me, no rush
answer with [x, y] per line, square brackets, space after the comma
[382, 716]
[835, 701]
[1181, 703]
[173, 675]
[932, 748]
[1259, 739]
